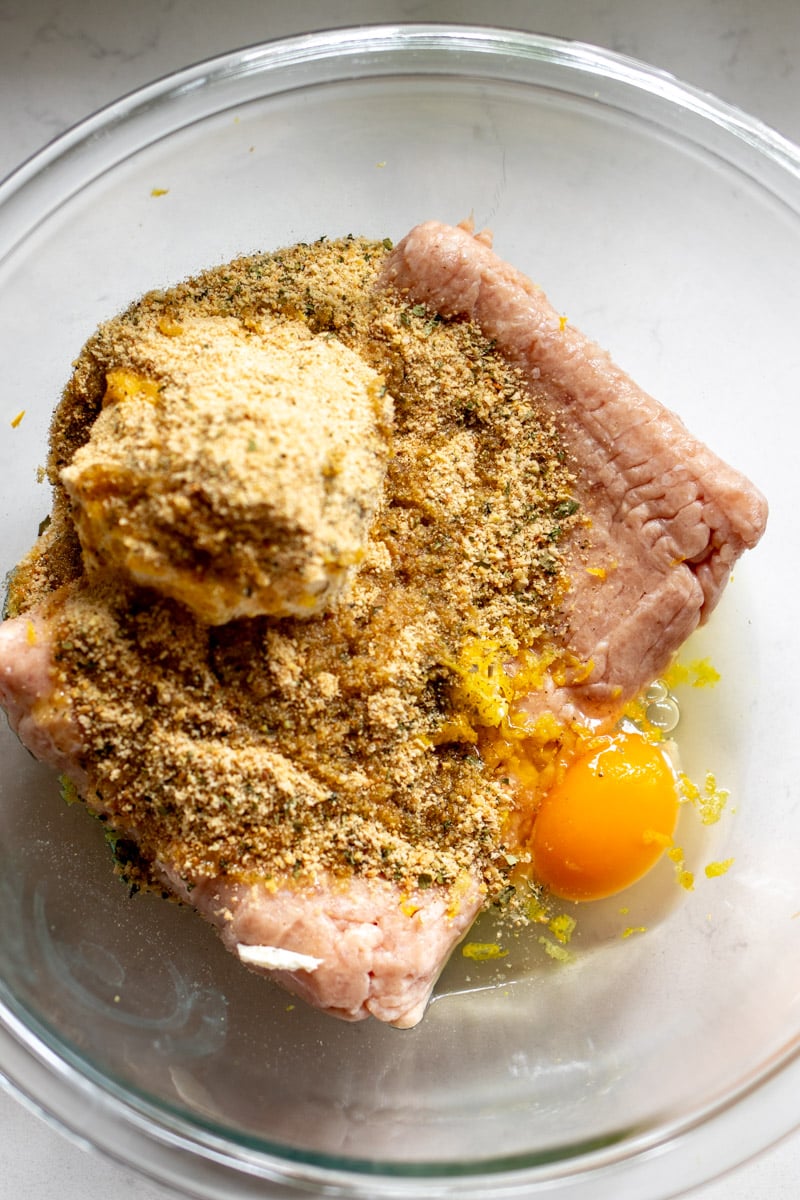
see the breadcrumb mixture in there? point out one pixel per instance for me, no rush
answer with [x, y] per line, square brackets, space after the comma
[235, 469]
[268, 747]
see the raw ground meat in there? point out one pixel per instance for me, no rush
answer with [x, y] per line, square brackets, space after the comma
[667, 521]
[668, 518]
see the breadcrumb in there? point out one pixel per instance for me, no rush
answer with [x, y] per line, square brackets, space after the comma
[274, 749]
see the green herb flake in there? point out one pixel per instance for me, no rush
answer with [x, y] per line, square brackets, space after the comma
[69, 793]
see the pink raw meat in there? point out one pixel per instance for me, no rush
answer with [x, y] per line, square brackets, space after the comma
[668, 517]
[381, 948]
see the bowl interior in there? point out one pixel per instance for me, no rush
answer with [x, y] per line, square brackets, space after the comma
[661, 233]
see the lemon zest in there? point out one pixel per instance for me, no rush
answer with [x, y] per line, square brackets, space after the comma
[674, 853]
[555, 951]
[124, 385]
[169, 326]
[714, 869]
[460, 888]
[710, 802]
[698, 673]
[483, 951]
[562, 927]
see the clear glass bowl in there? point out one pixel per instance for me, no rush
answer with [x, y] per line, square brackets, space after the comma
[665, 224]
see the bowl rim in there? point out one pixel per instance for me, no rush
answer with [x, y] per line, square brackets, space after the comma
[383, 37]
[179, 1150]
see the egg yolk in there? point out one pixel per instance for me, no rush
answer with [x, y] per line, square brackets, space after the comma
[607, 822]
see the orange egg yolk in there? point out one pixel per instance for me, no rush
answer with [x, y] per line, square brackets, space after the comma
[608, 820]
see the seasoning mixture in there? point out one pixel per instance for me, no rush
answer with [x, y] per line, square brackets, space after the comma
[277, 746]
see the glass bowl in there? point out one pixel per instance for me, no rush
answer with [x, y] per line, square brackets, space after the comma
[667, 226]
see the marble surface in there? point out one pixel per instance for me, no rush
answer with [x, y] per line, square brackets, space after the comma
[62, 59]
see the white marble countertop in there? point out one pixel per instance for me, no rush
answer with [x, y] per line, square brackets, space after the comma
[61, 59]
